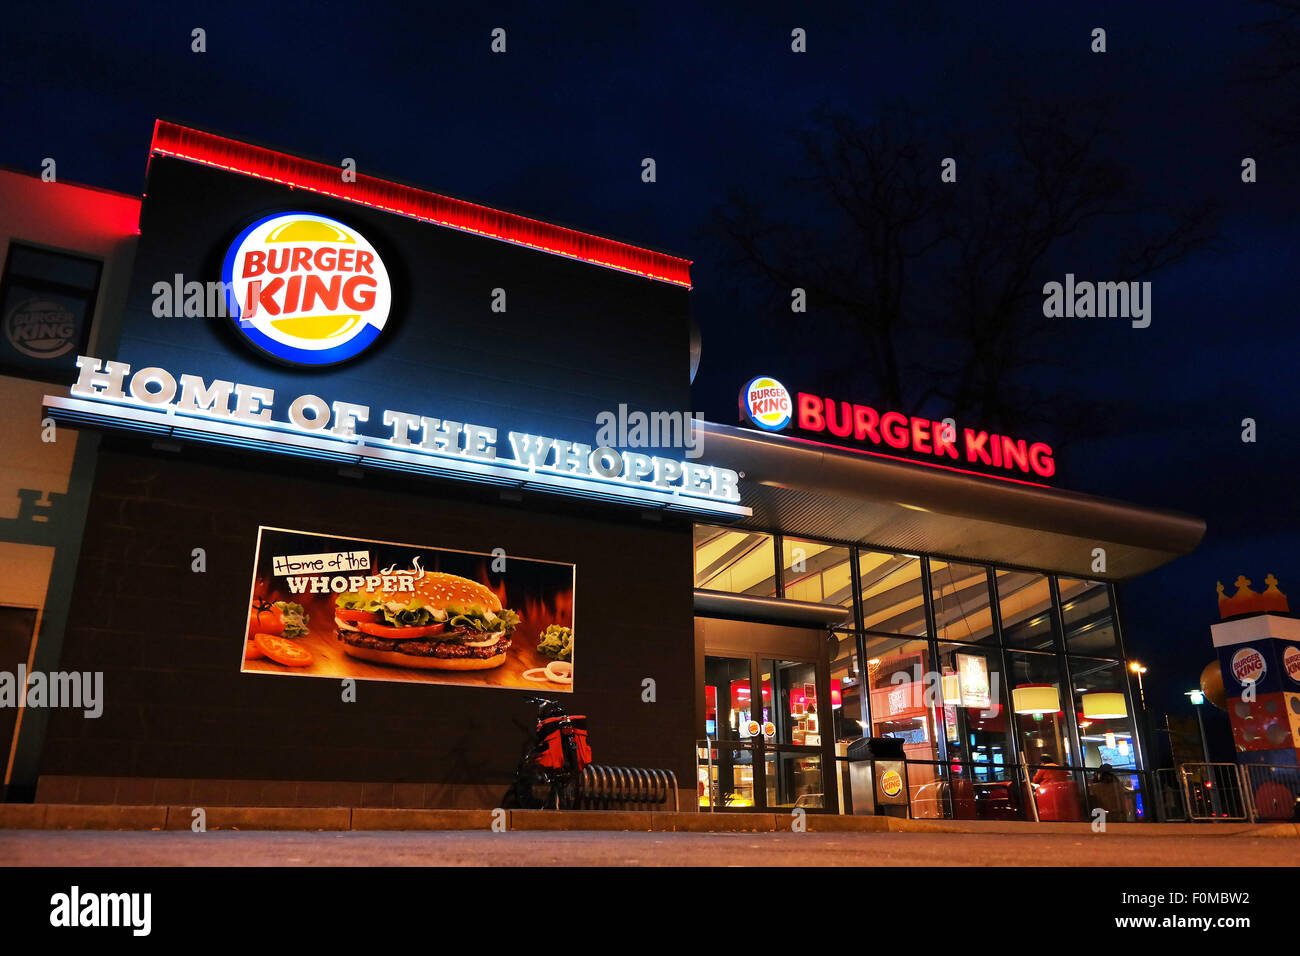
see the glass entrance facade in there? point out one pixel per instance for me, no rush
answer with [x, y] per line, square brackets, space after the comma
[1008, 687]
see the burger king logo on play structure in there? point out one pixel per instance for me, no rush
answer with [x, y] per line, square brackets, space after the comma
[1248, 666]
[1291, 662]
[306, 289]
[766, 403]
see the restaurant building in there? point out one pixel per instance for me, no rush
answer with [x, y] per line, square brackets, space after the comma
[323, 395]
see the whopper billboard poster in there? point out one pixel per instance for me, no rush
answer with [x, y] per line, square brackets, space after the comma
[338, 607]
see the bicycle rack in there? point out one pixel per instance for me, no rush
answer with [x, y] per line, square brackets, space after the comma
[626, 788]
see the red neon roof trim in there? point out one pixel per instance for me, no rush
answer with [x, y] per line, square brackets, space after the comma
[208, 149]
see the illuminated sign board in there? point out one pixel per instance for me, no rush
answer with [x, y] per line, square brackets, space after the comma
[153, 400]
[306, 289]
[767, 404]
[973, 671]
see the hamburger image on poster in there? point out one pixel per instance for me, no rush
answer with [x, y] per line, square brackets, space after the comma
[389, 611]
[445, 622]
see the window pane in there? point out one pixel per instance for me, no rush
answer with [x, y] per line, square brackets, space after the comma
[1025, 600]
[975, 714]
[1089, 618]
[1037, 708]
[31, 263]
[892, 598]
[983, 792]
[728, 702]
[900, 706]
[962, 611]
[739, 562]
[44, 330]
[846, 690]
[794, 780]
[795, 713]
[815, 572]
[1105, 726]
[725, 773]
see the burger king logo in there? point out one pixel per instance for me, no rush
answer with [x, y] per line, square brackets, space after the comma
[891, 783]
[306, 289]
[1248, 666]
[766, 403]
[41, 329]
[1291, 662]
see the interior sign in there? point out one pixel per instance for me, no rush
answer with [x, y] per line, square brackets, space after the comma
[152, 399]
[306, 289]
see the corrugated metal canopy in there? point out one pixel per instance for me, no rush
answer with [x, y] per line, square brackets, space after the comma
[841, 496]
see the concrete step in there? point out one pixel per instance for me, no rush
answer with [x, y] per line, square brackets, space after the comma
[68, 816]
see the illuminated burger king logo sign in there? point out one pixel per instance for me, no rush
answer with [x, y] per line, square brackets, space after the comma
[1248, 666]
[306, 289]
[767, 404]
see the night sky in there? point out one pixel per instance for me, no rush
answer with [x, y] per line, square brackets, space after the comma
[557, 127]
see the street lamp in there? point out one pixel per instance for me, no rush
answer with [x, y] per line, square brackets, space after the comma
[1138, 669]
[1198, 698]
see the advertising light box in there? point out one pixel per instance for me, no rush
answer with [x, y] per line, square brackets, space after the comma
[334, 607]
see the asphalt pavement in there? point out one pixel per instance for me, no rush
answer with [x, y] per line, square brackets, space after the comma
[617, 848]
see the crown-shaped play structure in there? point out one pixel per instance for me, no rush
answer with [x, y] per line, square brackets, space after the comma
[1246, 601]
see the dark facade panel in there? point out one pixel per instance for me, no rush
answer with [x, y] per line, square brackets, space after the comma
[168, 639]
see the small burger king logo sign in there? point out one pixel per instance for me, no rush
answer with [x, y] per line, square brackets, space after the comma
[306, 289]
[1291, 662]
[891, 783]
[766, 403]
[1248, 666]
[41, 329]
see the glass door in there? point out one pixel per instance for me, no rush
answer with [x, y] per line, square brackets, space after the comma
[765, 750]
[792, 735]
[726, 771]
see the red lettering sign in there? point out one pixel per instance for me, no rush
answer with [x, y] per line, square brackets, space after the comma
[915, 435]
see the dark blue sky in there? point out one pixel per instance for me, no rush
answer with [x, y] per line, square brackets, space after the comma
[557, 128]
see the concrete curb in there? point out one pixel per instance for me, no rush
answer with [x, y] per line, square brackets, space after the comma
[378, 818]
[65, 816]
[582, 820]
[262, 818]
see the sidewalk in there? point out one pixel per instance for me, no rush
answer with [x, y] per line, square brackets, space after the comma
[57, 816]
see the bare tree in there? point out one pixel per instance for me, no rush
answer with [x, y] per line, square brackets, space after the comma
[1275, 73]
[943, 281]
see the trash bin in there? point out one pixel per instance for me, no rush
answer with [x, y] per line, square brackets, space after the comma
[878, 776]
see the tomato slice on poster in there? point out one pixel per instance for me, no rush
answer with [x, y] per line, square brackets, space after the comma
[400, 633]
[252, 652]
[283, 651]
[357, 617]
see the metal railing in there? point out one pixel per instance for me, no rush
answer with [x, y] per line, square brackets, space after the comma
[627, 788]
[1274, 792]
[1167, 795]
[1214, 792]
